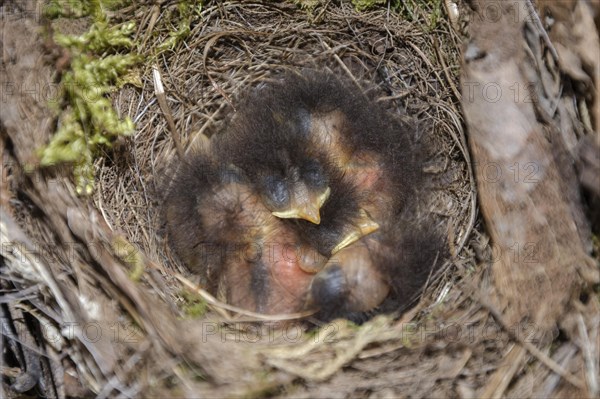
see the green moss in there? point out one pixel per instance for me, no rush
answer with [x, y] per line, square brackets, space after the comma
[88, 120]
[362, 5]
[130, 255]
[194, 306]
[308, 5]
[427, 12]
[182, 18]
[81, 8]
[436, 14]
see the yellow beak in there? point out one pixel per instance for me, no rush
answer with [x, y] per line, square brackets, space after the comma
[365, 226]
[304, 205]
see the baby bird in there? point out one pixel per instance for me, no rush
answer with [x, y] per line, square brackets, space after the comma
[310, 165]
[220, 228]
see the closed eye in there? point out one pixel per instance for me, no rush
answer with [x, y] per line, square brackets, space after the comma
[277, 191]
[314, 176]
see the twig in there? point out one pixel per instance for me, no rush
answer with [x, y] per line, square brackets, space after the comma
[220, 306]
[159, 91]
[538, 24]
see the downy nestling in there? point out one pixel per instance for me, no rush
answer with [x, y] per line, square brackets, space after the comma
[307, 201]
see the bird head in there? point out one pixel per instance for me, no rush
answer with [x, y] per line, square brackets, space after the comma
[269, 140]
[298, 194]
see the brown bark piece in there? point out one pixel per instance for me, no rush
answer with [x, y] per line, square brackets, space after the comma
[527, 196]
[575, 35]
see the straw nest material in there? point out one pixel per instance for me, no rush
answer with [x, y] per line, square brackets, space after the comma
[98, 304]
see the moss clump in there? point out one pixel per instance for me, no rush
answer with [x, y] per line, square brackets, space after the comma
[362, 5]
[130, 255]
[80, 8]
[194, 305]
[429, 13]
[88, 119]
[182, 18]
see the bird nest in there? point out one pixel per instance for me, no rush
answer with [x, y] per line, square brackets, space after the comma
[94, 286]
